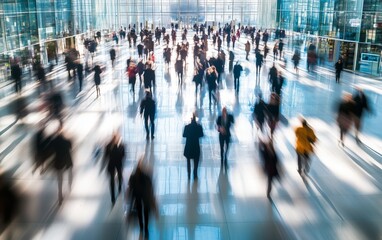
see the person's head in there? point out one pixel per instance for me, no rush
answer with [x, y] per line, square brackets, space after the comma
[148, 93]
[193, 118]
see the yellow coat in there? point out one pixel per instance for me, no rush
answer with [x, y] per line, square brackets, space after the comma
[305, 137]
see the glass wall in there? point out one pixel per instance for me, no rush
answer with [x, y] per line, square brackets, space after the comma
[337, 27]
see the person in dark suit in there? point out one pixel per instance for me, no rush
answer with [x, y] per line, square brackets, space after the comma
[16, 73]
[149, 77]
[192, 132]
[114, 155]
[141, 192]
[80, 72]
[259, 112]
[62, 160]
[97, 79]
[361, 104]
[338, 66]
[237, 69]
[224, 123]
[270, 163]
[148, 109]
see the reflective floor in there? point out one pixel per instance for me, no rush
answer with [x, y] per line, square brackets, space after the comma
[340, 199]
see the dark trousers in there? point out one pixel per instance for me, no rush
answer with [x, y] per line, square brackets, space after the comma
[236, 83]
[143, 214]
[151, 117]
[211, 93]
[196, 164]
[180, 77]
[303, 161]
[223, 140]
[80, 80]
[338, 74]
[18, 85]
[112, 176]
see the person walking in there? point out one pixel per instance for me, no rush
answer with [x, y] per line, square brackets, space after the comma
[345, 115]
[259, 62]
[179, 70]
[149, 77]
[270, 163]
[280, 48]
[114, 157]
[16, 73]
[237, 69]
[112, 56]
[339, 67]
[278, 84]
[80, 75]
[361, 104]
[192, 132]
[247, 49]
[223, 124]
[132, 75]
[140, 70]
[259, 112]
[231, 59]
[62, 160]
[148, 109]
[305, 139]
[212, 77]
[273, 111]
[97, 79]
[141, 192]
[296, 60]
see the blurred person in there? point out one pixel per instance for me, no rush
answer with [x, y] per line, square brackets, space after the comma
[259, 112]
[361, 103]
[223, 125]
[97, 79]
[280, 48]
[230, 62]
[42, 148]
[9, 202]
[148, 109]
[16, 73]
[132, 75]
[247, 49]
[112, 56]
[149, 77]
[237, 69]
[141, 192]
[56, 106]
[339, 67]
[114, 157]
[278, 84]
[179, 70]
[305, 139]
[273, 112]
[296, 60]
[192, 132]
[198, 77]
[62, 160]
[140, 50]
[211, 78]
[270, 163]
[259, 61]
[140, 70]
[345, 115]
[80, 75]
[275, 52]
[272, 77]
[41, 78]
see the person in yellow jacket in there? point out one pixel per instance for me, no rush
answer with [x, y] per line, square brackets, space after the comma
[305, 138]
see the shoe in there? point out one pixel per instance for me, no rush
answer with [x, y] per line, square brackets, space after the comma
[152, 137]
[299, 171]
[147, 137]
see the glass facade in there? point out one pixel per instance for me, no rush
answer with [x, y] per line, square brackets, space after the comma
[339, 28]
[41, 30]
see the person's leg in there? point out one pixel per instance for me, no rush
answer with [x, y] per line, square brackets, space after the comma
[152, 122]
[70, 175]
[299, 162]
[307, 163]
[188, 168]
[111, 184]
[196, 165]
[147, 126]
[59, 181]
[138, 204]
[209, 95]
[357, 126]
[269, 189]
[120, 178]
[221, 142]
[146, 215]
[227, 142]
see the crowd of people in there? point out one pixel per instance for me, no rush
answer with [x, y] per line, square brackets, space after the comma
[54, 150]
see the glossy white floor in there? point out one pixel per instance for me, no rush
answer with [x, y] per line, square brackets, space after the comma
[340, 199]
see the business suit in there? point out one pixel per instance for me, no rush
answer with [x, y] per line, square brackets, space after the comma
[192, 132]
[224, 123]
